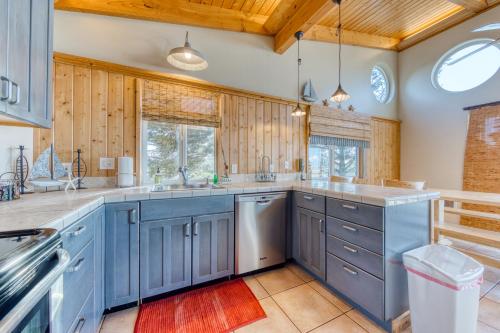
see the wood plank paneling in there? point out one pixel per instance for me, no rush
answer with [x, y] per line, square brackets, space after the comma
[383, 156]
[275, 136]
[251, 138]
[242, 135]
[115, 117]
[99, 111]
[63, 120]
[129, 135]
[82, 111]
[259, 132]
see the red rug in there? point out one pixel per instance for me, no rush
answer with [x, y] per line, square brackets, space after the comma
[215, 309]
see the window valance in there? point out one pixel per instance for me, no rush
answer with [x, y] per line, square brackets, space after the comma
[180, 104]
[331, 126]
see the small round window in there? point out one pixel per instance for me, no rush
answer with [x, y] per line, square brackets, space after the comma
[380, 84]
[467, 65]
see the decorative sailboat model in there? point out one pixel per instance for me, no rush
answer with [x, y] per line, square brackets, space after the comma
[309, 94]
[47, 170]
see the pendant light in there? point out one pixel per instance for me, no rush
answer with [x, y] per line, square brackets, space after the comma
[187, 58]
[339, 95]
[298, 111]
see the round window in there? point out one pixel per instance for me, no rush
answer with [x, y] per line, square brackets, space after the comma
[467, 65]
[380, 85]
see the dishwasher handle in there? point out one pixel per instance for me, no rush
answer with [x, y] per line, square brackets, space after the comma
[263, 202]
[261, 198]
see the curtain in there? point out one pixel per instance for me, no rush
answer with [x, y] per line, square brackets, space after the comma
[180, 104]
[330, 126]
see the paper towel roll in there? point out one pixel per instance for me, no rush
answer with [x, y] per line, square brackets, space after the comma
[125, 180]
[125, 165]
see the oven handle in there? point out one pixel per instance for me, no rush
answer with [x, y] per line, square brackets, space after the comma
[23, 308]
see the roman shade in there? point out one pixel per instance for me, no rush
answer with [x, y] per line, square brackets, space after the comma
[180, 104]
[333, 127]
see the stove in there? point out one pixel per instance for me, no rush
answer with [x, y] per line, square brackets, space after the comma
[31, 262]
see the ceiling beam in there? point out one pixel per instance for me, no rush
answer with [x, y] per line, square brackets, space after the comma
[171, 11]
[305, 17]
[282, 14]
[327, 34]
[472, 5]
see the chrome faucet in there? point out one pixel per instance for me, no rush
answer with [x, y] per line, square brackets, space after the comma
[183, 172]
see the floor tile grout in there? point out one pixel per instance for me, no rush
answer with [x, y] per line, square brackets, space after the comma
[286, 314]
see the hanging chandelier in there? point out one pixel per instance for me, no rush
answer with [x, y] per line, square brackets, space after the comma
[340, 95]
[187, 58]
[298, 111]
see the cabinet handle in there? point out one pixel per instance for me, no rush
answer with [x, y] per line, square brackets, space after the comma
[17, 90]
[350, 271]
[350, 249]
[346, 227]
[195, 229]
[79, 326]
[132, 216]
[187, 229]
[78, 231]
[321, 226]
[306, 197]
[76, 267]
[351, 207]
[5, 89]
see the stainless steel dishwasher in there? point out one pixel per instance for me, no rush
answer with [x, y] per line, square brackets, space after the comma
[260, 231]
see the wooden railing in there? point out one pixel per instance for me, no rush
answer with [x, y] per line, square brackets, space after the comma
[449, 204]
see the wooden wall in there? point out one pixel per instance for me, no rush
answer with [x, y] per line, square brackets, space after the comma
[94, 110]
[383, 157]
[252, 128]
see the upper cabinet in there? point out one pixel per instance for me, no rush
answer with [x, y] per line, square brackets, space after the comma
[26, 60]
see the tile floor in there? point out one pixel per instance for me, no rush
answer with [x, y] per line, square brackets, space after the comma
[295, 302]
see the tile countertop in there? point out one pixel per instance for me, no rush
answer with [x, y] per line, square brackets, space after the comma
[59, 209]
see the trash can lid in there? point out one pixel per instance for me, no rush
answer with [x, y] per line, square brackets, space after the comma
[437, 259]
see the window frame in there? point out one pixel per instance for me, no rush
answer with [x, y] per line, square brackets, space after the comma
[182, 153]
[451, 51]
[388, 96]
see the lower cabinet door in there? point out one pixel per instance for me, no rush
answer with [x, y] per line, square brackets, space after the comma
[165, 255]
[213, 247]
[122, 254]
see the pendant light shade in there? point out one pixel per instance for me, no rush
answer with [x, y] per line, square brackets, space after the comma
[298, 111]
[340, 95]
[187, 58]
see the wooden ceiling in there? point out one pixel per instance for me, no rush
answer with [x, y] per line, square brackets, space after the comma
[386, 24]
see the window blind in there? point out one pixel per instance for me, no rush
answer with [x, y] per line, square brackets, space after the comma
[329, 126]
[180, 104]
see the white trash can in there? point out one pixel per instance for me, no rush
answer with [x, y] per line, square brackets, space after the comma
[443, 286]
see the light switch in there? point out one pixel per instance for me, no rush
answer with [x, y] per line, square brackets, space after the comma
[106, 163]
[234, 168]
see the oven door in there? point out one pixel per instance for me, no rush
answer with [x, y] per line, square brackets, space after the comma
[38, 310]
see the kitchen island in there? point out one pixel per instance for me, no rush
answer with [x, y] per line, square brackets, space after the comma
[130, 244]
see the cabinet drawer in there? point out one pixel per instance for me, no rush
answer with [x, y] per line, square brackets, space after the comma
[361, 287]
[84, 322]
[78, 235]
[310, 201]
[170, 208]
[370, 239]
[78, 282]
[367, 215]
[364, 259]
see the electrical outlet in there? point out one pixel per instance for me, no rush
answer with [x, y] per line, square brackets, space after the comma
[106, 163]
[287, 165]
[234, 168]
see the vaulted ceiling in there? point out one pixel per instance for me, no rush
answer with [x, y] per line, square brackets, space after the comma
[386, 24]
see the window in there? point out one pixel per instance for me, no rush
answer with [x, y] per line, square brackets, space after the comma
[380, 85]
[326, 161]
[467, 66]
[168, 146]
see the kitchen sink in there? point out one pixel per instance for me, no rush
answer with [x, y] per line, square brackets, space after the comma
[180, 187]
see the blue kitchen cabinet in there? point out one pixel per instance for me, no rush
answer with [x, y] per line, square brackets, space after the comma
[213, 247]
[99, 242]
[122, 254]
[165, 253]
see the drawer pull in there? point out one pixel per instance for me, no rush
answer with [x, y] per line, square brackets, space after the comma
[346, 227]
[350, 249]
[77, 266]
[350, 271]
[132, 216]
[306, 197]
[78, 231]
[187, 227]
[79, 326]
[351, 207]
